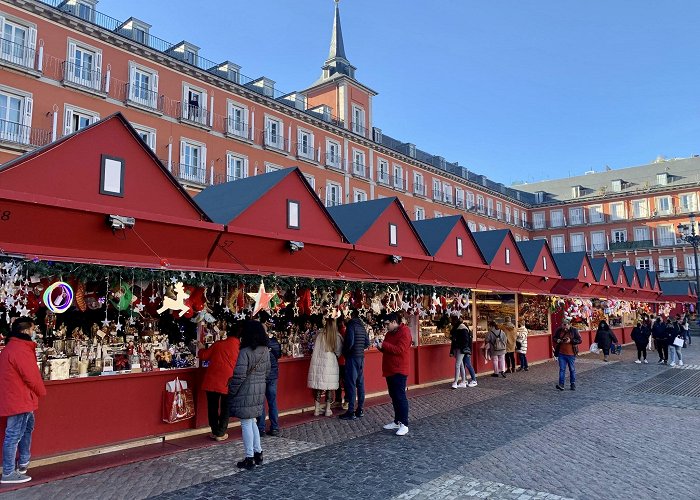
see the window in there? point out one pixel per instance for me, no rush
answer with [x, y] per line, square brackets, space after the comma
[687, 202]
[437, 214]
[148, 135]
[358, 163]
[576, 215]
[576, 191]
[270, 167]
[640, 209]
[508, 214]
[617, 211]
[558, 243]
[619, 235]
[293, 214]
[194, 105]
[516, 216]
[489, 207]
[17, 43]
[77, 119]
[544, 263]
[393, 236]
[595, 213]
[662, 179]
[617, 185]
[382, 171]
[446, 193]
[507, 255]
[482, 227]
[598, 241]
[84, 66]
[140, 35]
[333, 154]
[578, 243]
[334, 194]
[470, 200]
[641, 233]
[112, 176]
[645, 263]
[359, 195]
[556, 217]
[460, 250]
[491, 228]
[358, 120]
[419, 213]
[437, 190]
[665, 235]
[143, 86]
[418, 184]
[690, 265]
[667, 266]
[274, 133]
[311, 180]
[499, 210]
[471, 225]
[523, 214]
[85, 9]
[15, 116]
[236, 167]
[398, 177]
[663, 205]
[237, 120]
[305, 144]
[193, 161]
[480, 204]
[459, 197]
[517, 237]
[538, 220]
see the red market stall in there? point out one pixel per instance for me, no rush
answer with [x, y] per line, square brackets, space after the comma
[507, 271]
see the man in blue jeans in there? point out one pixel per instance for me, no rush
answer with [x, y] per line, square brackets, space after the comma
[354, 345]
[566, 340]
[22, 387]
[271, 381]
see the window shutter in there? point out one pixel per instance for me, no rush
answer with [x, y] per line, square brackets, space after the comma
[98, 71]
[95, 119]
[68, 123]
[204, 105]
[182, 155]
[28, 107]
[203, 157]
[230, 169]
[31, 43]
[71, 53]
[2, 26]
[154, 90]
[132, 80]
[245, 168]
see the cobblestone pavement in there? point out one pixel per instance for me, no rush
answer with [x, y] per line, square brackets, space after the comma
[624, 432]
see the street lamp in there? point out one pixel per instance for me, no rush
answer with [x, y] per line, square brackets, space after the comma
[687, 233]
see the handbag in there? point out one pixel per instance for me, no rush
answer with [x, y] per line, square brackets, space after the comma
[678, 341]
[178, 403]
[594, 348]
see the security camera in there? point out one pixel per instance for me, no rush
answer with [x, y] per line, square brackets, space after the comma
[295, 246]
[120, 222]
[395, 259]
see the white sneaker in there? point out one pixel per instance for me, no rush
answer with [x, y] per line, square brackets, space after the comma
[672, 363]
[638, 362]
[680, 363]
[455, 385]
[646, 362]
[472, 384]
[403, 430]
[462, 385]
[391, 426]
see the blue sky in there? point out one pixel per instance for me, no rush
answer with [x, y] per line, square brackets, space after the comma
[514, 89]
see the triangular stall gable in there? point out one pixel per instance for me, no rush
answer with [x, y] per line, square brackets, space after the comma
[632, 282]
[540, 262]
[645, 290]
[605, 281]
[275, 223]
[59, 200]
[386, 246]
[577, 275]
[457, 259]
[507, 270]
[655, 285]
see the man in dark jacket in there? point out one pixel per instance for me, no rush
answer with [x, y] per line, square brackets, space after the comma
[658, 333]
[271, 382]
[566, 340]
[354, 345]
[22, 387]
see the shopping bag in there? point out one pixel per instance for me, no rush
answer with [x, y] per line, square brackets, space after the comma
[650, 344]
[678, 341]
[178, 403]
[594, 348]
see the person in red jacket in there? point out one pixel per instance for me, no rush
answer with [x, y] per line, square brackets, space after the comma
[22, 387]
[222, 356]
[396, 349]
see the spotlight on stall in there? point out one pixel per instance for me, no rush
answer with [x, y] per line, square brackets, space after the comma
[118, 222]
[395, 259]
[295, 246]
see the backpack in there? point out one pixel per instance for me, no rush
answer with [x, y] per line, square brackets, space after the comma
[499, 343]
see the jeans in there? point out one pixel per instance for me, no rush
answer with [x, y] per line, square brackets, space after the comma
[564, 361]
[460, 372]
[499, 363]
[271, 396]
[510, 361]
[355, 382]
[251, 437]
[397, 391]
[686, 337]
[468, 366]
[662, 348]
[18, 435]
[675, 353]
[523, 360]
[217, 411]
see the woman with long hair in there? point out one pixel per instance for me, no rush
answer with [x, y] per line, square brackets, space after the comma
[323, 370]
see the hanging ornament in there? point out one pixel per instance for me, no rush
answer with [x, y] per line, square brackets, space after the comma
[60, 303]
[177, 303]
[261, 298]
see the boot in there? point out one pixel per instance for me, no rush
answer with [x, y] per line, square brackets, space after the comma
[318, 411]
[258, 458]
[329, 412]
[247, 463]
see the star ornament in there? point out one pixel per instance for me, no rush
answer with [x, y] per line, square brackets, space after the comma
[261, 298]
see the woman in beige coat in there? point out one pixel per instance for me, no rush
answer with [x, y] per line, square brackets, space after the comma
[323, 370]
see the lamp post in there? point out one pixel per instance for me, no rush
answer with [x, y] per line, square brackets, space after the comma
[687, 233]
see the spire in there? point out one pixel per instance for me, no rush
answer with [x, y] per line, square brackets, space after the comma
[337, 61]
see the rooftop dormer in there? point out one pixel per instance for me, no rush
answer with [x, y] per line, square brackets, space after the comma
[185, 51]
[135, 29]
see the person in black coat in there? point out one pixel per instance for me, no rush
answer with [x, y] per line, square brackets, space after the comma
[658, 332]
[355, 343]
[604, 337]
[271, 381]
[640, 336]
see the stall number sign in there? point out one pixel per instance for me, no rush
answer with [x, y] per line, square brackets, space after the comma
[5, 215]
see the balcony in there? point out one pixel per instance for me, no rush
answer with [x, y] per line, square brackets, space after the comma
[194, 115]
[437, 194]
[359, 170]
[238, 129]
[419, 190]
[667, 241]
[274, 141]
[557, 249]
[190, 173]
[143, 97]
[397, 183]
[305, 152]
[22, 135]
[359, 129]
[576, 221]
[17, 55]
[82, 76]
[631, 245]
[447, 199]
[334, 162]
[223, 178]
